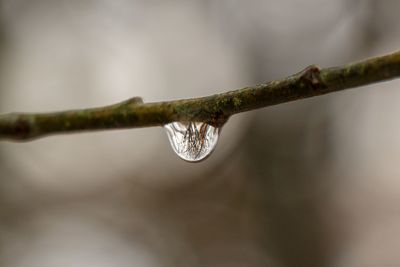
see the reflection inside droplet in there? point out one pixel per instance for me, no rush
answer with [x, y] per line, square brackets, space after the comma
[192, 141]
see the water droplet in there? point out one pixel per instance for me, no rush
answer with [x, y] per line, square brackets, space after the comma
[192, 141]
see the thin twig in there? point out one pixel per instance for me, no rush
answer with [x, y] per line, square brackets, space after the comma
[214, 109]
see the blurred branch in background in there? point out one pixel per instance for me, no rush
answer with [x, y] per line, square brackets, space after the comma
[214, 109]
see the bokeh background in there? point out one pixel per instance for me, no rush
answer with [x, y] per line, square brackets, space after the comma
[310, 183]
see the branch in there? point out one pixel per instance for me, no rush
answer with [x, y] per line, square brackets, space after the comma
[214, 109]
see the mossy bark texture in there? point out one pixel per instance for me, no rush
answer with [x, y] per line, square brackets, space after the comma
[214, 109]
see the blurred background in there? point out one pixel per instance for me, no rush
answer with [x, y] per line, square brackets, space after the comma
[310, 183]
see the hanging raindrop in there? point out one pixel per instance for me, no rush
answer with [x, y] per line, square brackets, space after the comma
[192, 141]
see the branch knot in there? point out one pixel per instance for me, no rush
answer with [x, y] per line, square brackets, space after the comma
[310, 76]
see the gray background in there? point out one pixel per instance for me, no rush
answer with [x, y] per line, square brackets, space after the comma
[310, 183]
